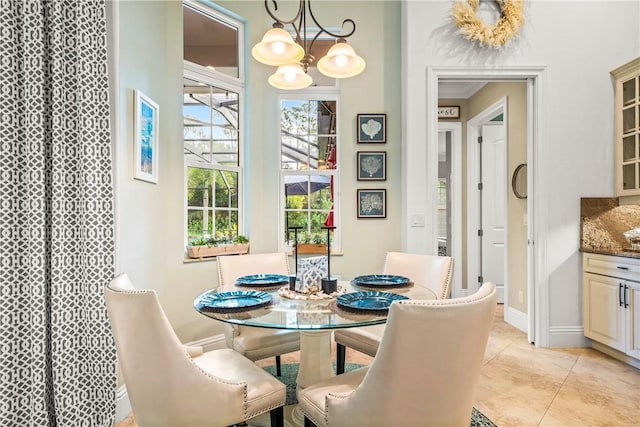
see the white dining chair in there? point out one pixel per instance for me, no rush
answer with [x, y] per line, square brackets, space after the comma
[424, 373]
[256, 343]
[427, 271]
[171, 385]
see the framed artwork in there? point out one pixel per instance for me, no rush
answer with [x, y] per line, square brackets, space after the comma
[372, 128]
[372, 165]
[372, 203]
[145, 138]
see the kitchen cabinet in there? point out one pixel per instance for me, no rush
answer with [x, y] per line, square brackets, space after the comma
[611, 302]
[627, 128]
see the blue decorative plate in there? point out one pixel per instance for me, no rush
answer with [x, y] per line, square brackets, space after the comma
[235, 300]
[263, 280]
[369, 300]
[381, 280]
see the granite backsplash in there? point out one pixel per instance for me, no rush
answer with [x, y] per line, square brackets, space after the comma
[602, 224]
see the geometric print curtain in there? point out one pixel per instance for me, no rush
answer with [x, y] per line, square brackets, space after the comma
[57, 357]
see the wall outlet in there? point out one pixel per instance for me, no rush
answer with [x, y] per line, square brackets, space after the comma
[520, 296]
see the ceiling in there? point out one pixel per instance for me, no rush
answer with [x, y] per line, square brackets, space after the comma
[458, 89]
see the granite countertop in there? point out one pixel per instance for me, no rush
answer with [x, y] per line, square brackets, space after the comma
[613, 252]
[603, 223]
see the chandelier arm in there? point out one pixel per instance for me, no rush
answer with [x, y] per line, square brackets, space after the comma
[322, 29]
[282, 21]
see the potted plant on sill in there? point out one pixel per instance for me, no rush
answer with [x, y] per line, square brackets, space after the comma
[312, 243]
[210, 247]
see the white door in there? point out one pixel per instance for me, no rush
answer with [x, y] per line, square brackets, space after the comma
[493, 205]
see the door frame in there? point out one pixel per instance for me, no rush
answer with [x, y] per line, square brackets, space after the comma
[473, 200]
[537, 206]
[455, 194]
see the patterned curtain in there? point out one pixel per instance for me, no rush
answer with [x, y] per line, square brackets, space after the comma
[57, 358]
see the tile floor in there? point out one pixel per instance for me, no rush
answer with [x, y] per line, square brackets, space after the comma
[521, 385]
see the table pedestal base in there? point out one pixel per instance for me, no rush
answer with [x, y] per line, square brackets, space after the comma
[315, 364]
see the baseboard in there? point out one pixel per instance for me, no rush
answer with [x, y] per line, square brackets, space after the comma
[215, 342]
[567, 336]
[615, 354]
[123, 406]
[500, 293]
[517, 319]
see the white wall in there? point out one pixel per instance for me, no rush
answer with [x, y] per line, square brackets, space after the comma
[578, 43]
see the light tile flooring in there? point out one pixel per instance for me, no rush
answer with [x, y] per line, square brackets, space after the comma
[521, 385]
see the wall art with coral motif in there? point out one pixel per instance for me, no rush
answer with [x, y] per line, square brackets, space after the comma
[372, 203]
[372, 165]
[372, 128]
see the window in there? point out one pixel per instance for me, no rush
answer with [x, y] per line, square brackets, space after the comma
[212, 134]
[309, 169]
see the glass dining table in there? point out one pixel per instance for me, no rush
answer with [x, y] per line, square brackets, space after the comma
[313, 318]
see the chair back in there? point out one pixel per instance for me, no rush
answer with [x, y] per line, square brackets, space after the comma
[231, 267]
[427, 367]
[164, 385]
[429, 271]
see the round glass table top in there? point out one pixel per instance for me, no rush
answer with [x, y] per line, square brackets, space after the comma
[304, 314]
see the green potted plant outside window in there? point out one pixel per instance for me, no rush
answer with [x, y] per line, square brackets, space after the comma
[208, 246]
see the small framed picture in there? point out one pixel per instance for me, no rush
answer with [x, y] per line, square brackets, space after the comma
[145, 139]
[372, 203]
[372, 128]
[372, 165]
[451, 112]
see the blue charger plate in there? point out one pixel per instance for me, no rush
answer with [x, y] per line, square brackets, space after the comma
[263, 280]
[235, 300]
[369, 300]
[381, 280]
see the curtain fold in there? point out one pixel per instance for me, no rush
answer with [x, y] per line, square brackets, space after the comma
[57, 357]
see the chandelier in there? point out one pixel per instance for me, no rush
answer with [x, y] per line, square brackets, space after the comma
[293, 58]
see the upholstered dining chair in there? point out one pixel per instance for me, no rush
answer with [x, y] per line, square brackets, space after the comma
[439, 346]
[428, 271]
[256, 343]
[169, 384]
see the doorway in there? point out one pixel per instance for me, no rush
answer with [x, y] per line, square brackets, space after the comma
[487, 224]
[534, 318]
[450, 199]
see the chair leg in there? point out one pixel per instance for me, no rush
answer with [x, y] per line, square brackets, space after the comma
[278, 366]
[277, 417]
[308, 422]
[340, 358]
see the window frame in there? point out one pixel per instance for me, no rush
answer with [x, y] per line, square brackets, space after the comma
[311, 94]
[221, 81]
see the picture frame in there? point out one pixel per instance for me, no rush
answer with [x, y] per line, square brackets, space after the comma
[372, 165]
[372, 203]
[372, 128]
[145, 138]
[449, 112]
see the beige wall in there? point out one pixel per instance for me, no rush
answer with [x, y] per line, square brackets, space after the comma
[150, 216]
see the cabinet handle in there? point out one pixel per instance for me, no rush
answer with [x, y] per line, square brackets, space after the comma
[620, 294]
[623, 268]
[626, 303]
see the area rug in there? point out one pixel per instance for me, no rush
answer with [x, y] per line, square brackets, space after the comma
[290, 372]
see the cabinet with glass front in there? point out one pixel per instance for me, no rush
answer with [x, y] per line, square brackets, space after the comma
[627, 128]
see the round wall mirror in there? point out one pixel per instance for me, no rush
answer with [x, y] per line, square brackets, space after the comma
[519, 181]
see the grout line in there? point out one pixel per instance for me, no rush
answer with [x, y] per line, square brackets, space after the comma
[559, 388]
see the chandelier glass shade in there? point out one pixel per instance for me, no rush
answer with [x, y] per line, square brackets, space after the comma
[341, 61]
[277, 48]
[290, 77]
[293, 57]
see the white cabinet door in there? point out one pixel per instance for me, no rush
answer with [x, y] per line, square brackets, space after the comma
[633, 320]
[604, 317]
